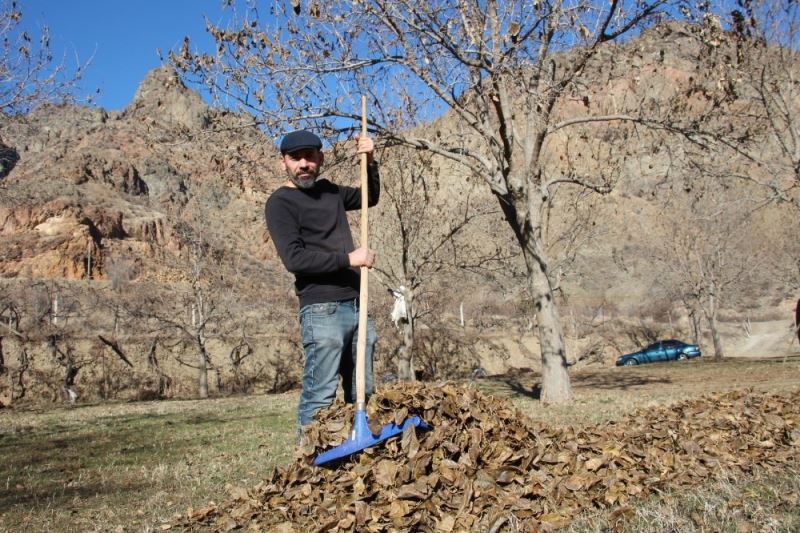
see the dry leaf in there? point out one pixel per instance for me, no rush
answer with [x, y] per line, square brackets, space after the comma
[483, 460]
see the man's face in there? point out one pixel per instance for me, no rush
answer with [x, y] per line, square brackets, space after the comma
[302, 166]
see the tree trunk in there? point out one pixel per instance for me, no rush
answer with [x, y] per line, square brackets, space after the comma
[218, 379]
[555, 377]
[70, 373]
[65, 359]
[711, 316]
[718, 352]
[406, 370]
[198, 319]
[405, 358]
[152, 362]
[712, 324]
[695, 326]
[202, 371]
[18, 389]
[238, 354]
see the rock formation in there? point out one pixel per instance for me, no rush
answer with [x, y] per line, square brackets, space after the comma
[86, 182]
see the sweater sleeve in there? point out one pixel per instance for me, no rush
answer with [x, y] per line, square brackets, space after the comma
[284, 229]
[351, 196]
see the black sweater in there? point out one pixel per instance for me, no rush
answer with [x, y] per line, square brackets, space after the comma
[311, 234]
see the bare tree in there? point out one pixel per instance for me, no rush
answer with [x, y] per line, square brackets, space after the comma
[29, 72]
[429, 235]
[52, 314]
[58, 329]
[10, 328]
[752, 96]
[765, 77]
[708, 252]
[190, 313]
[500, 68]
[209, 300]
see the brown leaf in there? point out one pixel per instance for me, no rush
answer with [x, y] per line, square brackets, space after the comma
[399, 509]
[554, 520]
[400, 415]
[410, 444]
[576, 482]
[446, 523]
[385, 472]
[592, 465]
[346, 523]
[413, 491]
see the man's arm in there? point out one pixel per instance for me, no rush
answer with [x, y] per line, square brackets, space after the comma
[367, 146]
[351, 196]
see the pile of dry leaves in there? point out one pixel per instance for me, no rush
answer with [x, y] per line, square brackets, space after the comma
[485, 465]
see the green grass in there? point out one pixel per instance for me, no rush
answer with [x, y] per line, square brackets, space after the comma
[104, 468]
[133, 466]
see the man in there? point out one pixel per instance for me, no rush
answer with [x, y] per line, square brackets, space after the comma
[307, 222]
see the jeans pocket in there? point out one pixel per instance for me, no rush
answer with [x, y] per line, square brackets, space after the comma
[319, 310]
[324, 309]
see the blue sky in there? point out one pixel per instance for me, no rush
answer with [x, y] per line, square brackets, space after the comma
[119, 36]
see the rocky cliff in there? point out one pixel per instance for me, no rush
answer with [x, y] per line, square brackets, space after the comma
[169, 186]
[82, 187]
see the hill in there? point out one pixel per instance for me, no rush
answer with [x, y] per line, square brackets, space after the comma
[161, 205]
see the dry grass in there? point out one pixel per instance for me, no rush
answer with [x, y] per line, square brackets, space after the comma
[602, 394]
[763, 502]
[128, 467]
[134, 465]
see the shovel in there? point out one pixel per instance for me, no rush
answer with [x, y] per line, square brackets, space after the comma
[361, 437]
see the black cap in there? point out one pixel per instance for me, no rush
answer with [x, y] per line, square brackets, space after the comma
[297, 140]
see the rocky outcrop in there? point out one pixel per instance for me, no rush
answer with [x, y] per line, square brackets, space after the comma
[107, 166]
[162, 98]
[8, 159]
[164, 184]
[56, 239]
[58, 247]
[118, 183]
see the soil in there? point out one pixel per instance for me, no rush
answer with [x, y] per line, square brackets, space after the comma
[760, 339]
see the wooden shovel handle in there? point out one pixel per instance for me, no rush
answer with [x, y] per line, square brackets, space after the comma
[361, 343]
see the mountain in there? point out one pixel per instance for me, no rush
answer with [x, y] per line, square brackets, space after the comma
[145, 195]
[114, 185]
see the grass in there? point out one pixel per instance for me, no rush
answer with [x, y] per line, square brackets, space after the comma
[605, 394]
[763, 502]
[132, 466]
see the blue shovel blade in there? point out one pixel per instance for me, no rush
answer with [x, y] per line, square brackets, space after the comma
[361, 437]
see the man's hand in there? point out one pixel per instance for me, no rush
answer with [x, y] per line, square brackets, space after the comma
[365, 145]
[362, 257]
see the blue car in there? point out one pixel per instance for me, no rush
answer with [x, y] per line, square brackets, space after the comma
[660, 351]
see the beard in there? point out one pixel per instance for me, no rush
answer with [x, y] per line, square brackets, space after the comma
[305, 182]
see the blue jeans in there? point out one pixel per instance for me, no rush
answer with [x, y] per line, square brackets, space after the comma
[330, 333]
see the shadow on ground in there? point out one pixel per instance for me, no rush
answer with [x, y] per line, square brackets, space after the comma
[527, 384]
